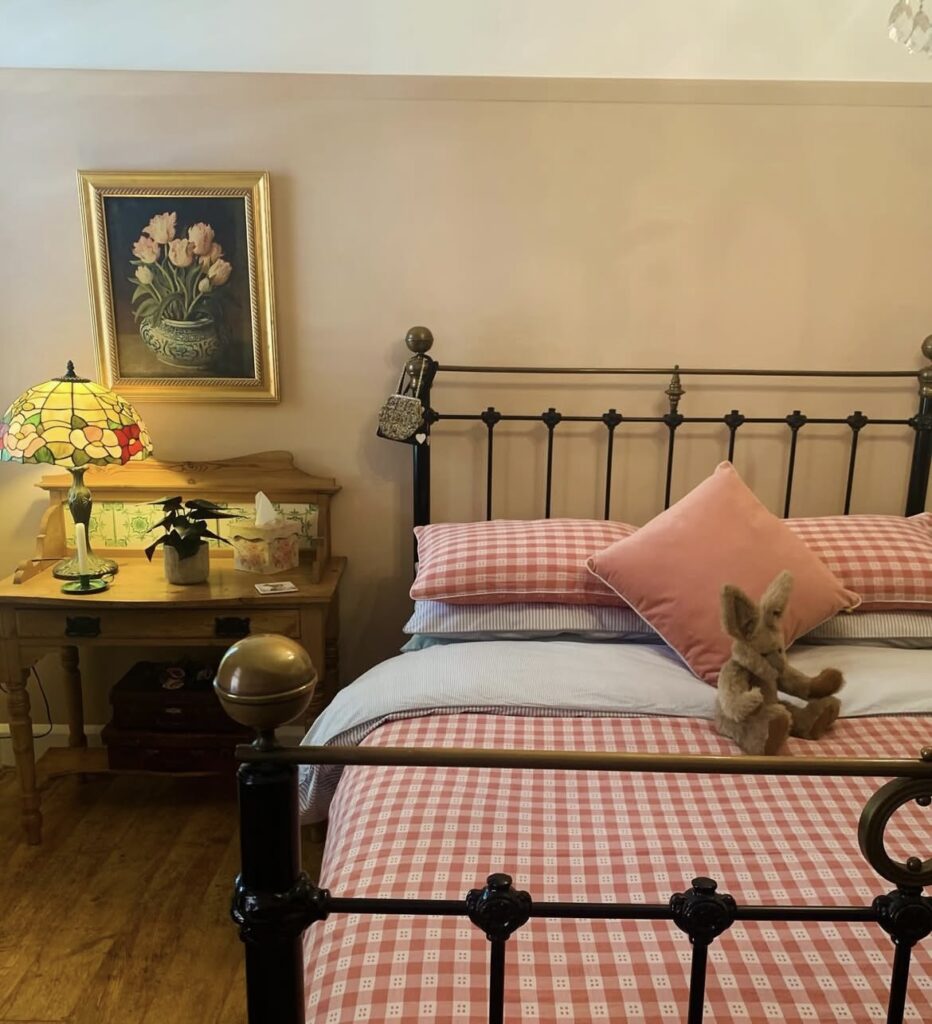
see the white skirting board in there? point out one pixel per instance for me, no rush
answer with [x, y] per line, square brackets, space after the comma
[58, 737]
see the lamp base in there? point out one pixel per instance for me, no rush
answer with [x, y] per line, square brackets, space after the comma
[67, 568]
[85, 585]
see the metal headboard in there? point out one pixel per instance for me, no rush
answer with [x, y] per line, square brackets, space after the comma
[423, 368]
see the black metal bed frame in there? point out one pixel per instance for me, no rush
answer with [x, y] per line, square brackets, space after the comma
[421, 367]
[274, 901]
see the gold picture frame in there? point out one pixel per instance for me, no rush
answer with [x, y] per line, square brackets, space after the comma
[179, 269]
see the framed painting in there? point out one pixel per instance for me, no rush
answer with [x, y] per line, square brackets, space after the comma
[180, 273]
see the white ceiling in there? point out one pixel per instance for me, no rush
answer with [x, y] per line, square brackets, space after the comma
[747, 39]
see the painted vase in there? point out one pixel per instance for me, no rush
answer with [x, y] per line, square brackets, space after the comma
[184, 571]
[186, 344]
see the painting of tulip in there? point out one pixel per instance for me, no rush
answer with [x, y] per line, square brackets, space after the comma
[181, 281]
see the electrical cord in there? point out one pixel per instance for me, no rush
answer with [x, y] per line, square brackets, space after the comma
[45, 701]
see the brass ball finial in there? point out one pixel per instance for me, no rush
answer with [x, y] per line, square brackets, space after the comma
[419, 340]
[71, 376]
[265, 681]
[927, 348]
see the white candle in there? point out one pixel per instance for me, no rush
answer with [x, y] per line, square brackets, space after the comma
[80, 543]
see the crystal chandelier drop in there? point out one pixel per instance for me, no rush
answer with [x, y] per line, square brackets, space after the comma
[911, 25]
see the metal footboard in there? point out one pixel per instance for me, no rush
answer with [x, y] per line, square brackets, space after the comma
[261, 685]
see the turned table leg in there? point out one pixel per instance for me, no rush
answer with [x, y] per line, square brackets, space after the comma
[74, 696]
[25, 755]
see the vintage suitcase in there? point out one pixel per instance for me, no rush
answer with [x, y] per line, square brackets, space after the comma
[138, 750]
[174, 697]
[166, 717]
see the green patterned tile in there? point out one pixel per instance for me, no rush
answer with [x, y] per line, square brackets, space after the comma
[123, 524]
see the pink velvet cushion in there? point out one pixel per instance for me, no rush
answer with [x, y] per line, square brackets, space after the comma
[672, 570]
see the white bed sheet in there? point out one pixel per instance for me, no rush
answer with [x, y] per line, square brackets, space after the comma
[566, 679]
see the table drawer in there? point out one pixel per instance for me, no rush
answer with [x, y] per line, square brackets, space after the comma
[152, 624]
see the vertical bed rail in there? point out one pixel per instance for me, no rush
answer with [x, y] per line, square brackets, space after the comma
[550, 419]
[490, 417]
[264, 682]
[922, 447]
[703, 914]
[795, 421]
[732, 420]
[857, 421]
[421, 367]
[611, 419]
[673, 420]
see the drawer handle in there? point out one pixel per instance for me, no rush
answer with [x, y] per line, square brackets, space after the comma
[82, 625]
[231, 625]
[173, 711]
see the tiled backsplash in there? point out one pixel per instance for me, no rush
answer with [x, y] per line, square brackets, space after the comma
[121, 524]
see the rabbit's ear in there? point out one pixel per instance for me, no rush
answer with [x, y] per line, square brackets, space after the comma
[740, 616]
[777, 595]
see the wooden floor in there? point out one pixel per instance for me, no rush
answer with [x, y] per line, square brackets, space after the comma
[121, 916]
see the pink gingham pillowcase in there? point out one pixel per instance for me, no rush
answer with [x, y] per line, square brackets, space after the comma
[886, 559]
[505, 561]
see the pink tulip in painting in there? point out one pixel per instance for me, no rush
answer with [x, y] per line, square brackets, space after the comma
[179, 274]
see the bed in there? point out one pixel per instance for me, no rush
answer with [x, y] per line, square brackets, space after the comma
[546, 826]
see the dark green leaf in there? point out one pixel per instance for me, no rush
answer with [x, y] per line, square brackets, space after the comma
[209, 533]
[150, 550]
[206, 513]
[167, 522]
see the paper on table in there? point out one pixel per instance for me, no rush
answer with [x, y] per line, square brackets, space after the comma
[265, 513]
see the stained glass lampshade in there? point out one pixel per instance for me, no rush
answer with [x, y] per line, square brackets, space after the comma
[72, 422]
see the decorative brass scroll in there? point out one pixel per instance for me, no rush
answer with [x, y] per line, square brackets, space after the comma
[875, 817]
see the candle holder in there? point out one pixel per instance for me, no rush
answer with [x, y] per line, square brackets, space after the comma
[84, 585]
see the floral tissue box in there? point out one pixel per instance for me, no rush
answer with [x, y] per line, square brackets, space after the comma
[266, 549]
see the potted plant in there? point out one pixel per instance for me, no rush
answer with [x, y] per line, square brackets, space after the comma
[179, 291]
[185, 537]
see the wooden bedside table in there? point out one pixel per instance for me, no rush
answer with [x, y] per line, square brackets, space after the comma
[141, 609]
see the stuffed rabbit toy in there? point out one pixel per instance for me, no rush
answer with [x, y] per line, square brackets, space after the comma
[749, 710]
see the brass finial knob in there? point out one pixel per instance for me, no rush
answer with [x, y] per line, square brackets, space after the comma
[927, 348]
[675, 391]
[71, 376]
[264, 681]
[419, 340]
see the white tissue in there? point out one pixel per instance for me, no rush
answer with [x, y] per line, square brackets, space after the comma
[265, 513]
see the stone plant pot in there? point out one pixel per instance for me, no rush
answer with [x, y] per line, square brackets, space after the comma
[187, 570]
[187, 344]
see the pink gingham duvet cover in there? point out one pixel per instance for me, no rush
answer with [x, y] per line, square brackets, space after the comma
[608, 837]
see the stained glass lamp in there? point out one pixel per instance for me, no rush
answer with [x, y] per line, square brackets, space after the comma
[72, 422]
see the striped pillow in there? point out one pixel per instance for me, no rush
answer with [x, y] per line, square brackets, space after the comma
[879, 629]
[507, 561]
[885, 559]
[527, 621]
